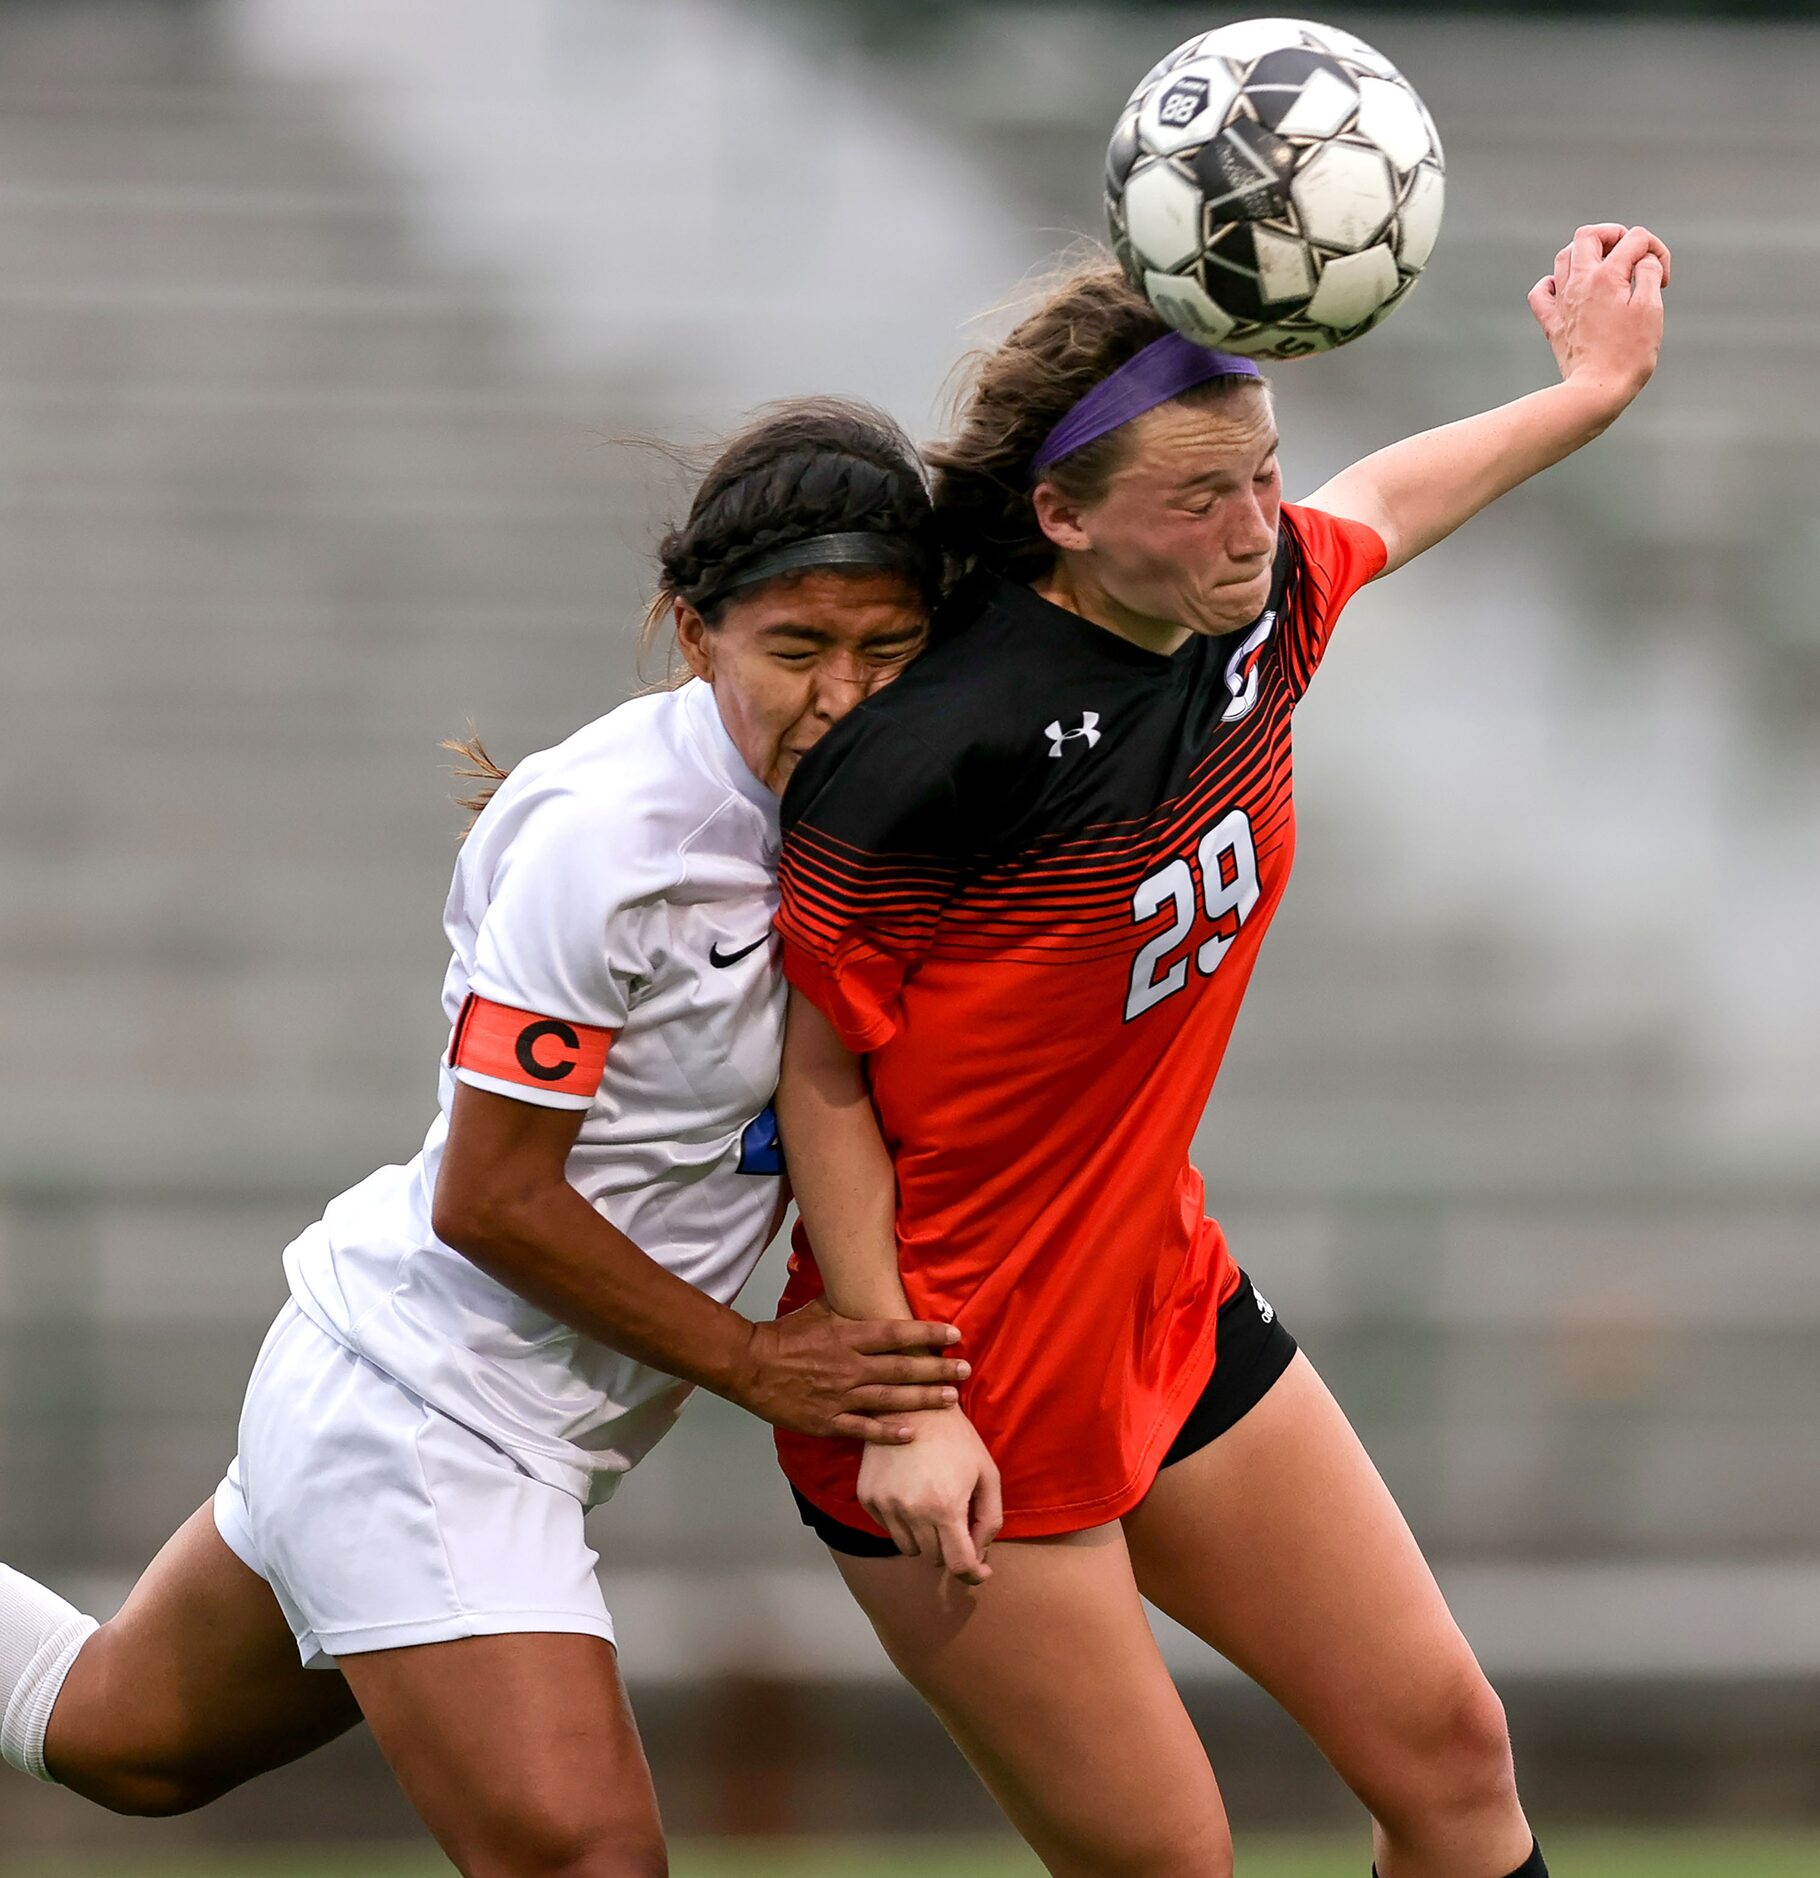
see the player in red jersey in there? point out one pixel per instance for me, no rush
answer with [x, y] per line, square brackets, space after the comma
[1023, 890]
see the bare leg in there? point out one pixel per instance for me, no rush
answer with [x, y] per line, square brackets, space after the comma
[192, 1689]
[519, 1753]
[1279, 1545]
[1050, 1681]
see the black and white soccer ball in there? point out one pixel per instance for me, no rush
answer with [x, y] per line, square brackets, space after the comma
[1274, 187]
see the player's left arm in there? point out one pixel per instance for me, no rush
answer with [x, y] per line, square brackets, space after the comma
[1601, 310]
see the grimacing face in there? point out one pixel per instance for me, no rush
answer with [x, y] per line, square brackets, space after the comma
[1184, 538]
[793, 656]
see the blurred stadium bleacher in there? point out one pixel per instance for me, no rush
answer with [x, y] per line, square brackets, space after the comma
[318, 324]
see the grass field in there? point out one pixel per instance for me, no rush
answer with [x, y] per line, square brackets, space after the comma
[1571, 1855]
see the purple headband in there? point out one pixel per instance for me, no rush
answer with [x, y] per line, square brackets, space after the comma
[1163, 370]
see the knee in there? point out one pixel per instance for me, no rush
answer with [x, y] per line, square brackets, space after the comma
[1201, 1851]
[1456, 1763]
[618, 1858]
[140, 1793]
[625, 1855]
[553, 1850]
[1209, 1857]
[1474, 1754]
[112, 1745]
[138, 1779]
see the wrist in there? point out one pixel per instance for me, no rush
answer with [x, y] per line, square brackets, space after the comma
[736, 1363]
[1598, 397]
[863, 1304]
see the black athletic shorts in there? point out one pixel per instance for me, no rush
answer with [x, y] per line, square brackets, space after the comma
[1253, 1350]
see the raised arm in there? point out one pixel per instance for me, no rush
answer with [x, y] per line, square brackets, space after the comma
[1601, 310]
[939, 1496]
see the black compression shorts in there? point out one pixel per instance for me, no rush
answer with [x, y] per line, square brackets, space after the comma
[1252, 1350]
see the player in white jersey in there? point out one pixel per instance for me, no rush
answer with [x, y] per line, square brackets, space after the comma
[481, 1342]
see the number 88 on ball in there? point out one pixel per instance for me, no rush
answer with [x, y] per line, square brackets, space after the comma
[1274, 187]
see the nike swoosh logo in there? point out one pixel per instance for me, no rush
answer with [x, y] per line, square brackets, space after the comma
[717, 957]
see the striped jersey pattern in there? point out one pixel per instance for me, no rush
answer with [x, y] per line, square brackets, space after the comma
[1028, 882]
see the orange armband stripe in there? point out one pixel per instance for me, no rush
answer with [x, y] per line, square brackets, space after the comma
[520, 1046]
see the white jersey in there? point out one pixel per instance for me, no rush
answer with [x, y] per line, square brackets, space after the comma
[610, 920]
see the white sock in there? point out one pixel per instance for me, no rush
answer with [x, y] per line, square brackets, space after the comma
[40, 1635]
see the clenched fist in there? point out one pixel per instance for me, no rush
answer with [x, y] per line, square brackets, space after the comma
[1601, 308]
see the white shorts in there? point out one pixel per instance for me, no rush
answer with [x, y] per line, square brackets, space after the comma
[379, 1522]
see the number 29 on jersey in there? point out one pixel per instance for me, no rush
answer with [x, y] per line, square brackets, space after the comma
[1221, 877]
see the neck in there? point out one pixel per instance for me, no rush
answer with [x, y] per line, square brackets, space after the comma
[1069, 584]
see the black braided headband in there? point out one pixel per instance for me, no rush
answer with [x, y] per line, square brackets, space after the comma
[860, 549]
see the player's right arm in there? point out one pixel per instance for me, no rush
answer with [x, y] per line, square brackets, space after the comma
[938, 1496]
[503, 1200]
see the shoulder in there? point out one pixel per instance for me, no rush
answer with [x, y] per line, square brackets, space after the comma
[614, 800]
[1327, 545]
[636, 745]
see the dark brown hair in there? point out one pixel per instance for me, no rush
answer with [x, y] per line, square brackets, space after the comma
[800, 468]
[1009, 399]
[805, 467]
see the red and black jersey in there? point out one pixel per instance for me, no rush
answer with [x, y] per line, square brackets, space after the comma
[1028, 882]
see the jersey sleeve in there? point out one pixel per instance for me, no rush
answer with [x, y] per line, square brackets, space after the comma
[870, 860]
[1337, 558]
[557, 954]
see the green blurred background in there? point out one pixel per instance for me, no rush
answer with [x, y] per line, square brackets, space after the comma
[1629, 1855]
[319, 322]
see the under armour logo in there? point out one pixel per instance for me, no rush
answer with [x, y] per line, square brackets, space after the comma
[1090, 729]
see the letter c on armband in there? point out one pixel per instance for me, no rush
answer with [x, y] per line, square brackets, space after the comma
[534, 1034]
[504, 1047]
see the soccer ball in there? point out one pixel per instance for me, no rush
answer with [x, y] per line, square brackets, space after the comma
[1274, 188]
